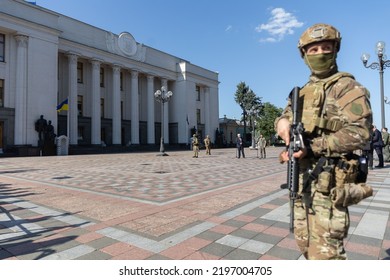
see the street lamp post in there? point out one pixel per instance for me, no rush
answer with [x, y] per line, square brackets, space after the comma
[380, 65]
[244, 116]
[162, 96]
[253, 112]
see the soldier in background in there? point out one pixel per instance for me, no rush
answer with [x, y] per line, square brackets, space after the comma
[336, 114]
[195, 145]
[207, 144]
[261, 144]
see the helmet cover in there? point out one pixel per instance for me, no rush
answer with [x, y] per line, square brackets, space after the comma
[318, 33]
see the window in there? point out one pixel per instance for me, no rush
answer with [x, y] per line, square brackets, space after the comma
[101, 77]
[80, 76]
[2, 47]
[102, 107]
[1, 93]
[80, 105]
[197, 93]
[198, 116]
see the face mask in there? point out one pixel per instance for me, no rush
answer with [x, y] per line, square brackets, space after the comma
[321, 64]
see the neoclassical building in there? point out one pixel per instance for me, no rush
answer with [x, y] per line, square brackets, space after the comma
[109, 80]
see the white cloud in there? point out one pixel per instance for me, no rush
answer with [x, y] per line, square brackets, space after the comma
[268, 40]
[228, 28]
[280, 24]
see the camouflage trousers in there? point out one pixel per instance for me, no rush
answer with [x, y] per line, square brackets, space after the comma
[196, 150]
[320, 227]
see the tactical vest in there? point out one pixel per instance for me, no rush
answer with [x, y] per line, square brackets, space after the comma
[313, 103]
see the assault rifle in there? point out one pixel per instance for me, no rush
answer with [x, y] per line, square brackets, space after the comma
[296, 144]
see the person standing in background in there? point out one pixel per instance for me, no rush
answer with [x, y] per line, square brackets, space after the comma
[386, 146]
[377, 144]
[207, 144]
[240, 146]
[261, 144]
[368, 152]
[195, 145]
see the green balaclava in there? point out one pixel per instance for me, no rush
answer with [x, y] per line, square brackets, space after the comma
[322, 65]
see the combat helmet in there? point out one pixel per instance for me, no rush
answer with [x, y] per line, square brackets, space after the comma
[317, 33]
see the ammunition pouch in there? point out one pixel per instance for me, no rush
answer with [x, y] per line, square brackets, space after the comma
[323, 175]
[346, 170]
[350, 187]
[350, 194]
[325, 180]
[343, 179]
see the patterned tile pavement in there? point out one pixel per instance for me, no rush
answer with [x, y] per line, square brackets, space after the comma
[146, 207]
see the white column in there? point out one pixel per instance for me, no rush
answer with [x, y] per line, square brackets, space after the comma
[21, 91]
[150, 102]
[165, 126]
[207, 112]
[134, 108]
[95, 112]
[72, 100]
[116, 106]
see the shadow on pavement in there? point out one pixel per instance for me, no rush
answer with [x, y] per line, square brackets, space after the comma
[20, 236]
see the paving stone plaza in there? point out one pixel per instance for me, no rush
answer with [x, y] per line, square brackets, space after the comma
[142, 206]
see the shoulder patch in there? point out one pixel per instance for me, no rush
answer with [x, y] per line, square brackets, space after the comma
[356, 109]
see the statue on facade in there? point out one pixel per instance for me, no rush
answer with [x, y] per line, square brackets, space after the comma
[40, 127]
[49, 147]
[49, 132]
[46, 136]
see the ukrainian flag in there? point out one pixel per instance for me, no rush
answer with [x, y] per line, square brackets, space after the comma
[63, 106]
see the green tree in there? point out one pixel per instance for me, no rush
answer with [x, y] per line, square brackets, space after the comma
[247, 99]
[265, 122]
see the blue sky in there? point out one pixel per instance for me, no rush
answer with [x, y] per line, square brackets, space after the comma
[253, 41]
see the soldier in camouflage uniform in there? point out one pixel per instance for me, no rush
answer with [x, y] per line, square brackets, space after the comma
[195, 145]
[207, 144]
[261, 144]
[336, 114]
